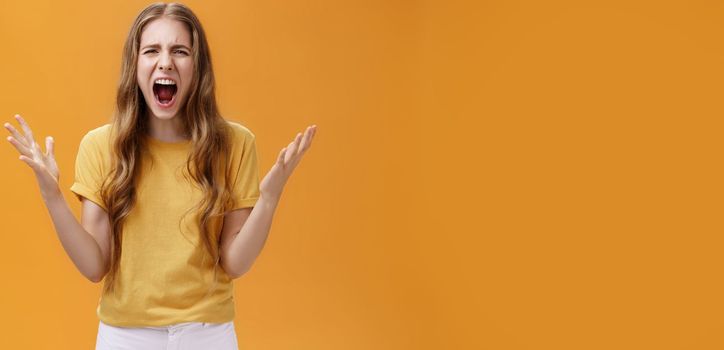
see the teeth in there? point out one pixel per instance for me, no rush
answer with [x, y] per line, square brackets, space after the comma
[165, 82]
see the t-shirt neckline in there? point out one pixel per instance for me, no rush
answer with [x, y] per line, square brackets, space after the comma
[156, 143]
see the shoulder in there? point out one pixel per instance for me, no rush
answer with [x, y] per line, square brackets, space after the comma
[240, 131]
[94, 149]
[95, 145]
[98, 136]
[241, 137]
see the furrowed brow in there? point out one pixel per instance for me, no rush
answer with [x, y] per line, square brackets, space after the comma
[157, 46]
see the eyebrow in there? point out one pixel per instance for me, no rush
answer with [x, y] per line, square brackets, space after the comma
[159, 46]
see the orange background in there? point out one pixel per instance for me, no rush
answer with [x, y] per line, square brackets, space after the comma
[485, 175]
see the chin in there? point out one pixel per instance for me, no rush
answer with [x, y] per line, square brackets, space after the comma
[164, 114]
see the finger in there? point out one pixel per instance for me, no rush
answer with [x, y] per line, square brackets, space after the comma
[16, 134]
[305, 140]
[20, 147]
[49, 146]
[314, 132]
[280, 158]
[30, 162]
[289, 153]
[26, 128]
[295, 144]
[309, 135]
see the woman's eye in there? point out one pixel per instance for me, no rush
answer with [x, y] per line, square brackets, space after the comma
[177, 51]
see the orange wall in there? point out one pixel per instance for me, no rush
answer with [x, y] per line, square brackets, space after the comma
[485, 175]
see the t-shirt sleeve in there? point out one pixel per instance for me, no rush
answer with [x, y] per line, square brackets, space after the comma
[88, 174]
[246, 182]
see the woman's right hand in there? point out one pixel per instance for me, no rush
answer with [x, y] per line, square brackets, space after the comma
[43, 164]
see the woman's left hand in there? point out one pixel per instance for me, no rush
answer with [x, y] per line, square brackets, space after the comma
[274, 181]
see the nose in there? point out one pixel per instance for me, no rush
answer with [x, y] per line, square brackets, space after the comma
[165, 63]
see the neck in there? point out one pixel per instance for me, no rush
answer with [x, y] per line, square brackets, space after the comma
[166, 130]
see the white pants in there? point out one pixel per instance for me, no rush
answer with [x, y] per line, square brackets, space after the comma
[182, 336]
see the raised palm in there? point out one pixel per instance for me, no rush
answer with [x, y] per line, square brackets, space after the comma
[274, 181]
[42, 163]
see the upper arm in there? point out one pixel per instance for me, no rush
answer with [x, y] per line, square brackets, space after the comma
[94, 219]
[233, 221]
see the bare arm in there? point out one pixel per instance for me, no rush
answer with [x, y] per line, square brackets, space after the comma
[87, 244]
[244, 234]
[245, 231]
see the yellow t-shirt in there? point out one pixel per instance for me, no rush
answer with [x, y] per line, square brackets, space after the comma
[165, 271]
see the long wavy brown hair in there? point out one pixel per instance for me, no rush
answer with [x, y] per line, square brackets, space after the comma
[207, 163]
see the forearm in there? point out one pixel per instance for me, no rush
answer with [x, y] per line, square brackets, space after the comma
[248, 243]
[80, 246]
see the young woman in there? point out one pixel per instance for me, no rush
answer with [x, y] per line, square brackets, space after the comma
[172, 207]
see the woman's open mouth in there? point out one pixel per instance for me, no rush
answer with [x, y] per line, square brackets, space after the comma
[164, 91]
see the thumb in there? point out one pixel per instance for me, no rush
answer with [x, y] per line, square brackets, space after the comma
[30, 163]
[280, 158]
